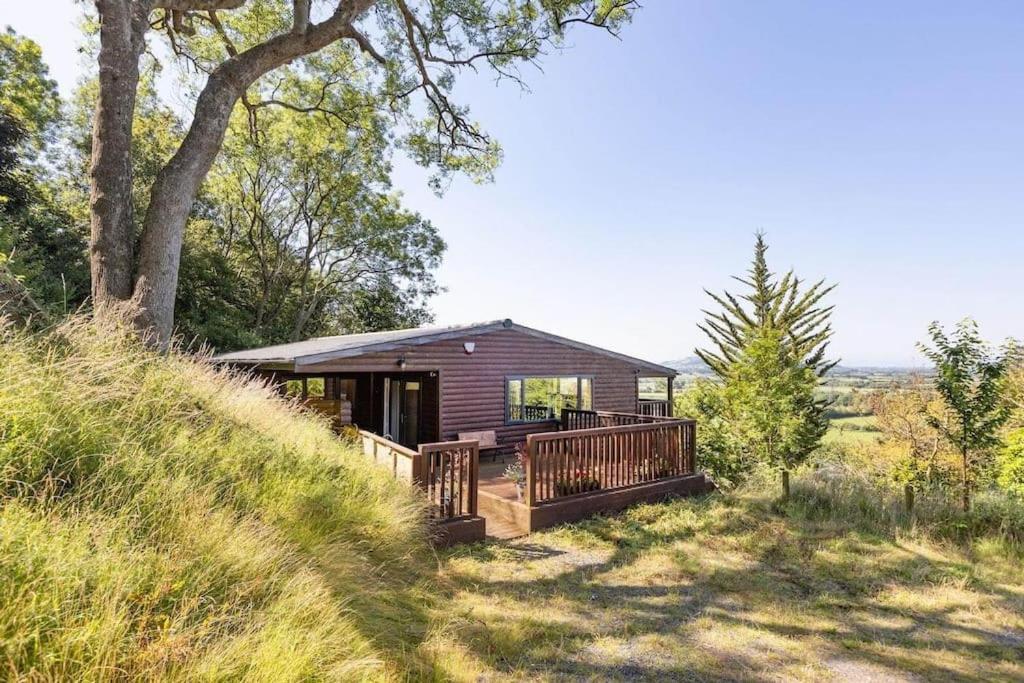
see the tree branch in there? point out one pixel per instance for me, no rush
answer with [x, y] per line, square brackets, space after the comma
[197, 5]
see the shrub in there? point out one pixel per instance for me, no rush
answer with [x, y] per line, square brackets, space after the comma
[1010, 464]
[719, 453]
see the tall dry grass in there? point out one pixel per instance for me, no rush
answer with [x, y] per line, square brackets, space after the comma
[843, 492]
[162, 518]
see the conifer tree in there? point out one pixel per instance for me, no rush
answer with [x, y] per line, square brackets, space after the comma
[769, 353]
[774, 304]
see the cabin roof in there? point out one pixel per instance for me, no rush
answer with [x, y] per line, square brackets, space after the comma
[321, 349]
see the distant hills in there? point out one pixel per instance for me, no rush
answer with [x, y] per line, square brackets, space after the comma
[694, 367]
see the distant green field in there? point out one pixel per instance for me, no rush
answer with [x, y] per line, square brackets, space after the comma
[854, 422]
[653, 395]
[852, 430]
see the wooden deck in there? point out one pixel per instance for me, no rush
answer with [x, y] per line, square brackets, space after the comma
[603, 463]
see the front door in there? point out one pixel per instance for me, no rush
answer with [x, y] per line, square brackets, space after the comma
[402, 411]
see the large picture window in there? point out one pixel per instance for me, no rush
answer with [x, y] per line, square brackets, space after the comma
[537, 399]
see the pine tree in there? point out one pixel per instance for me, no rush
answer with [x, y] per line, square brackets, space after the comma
[769, 354]
[777, 305]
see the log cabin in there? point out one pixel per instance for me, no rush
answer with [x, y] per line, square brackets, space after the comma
[426, 385]
[428, 402]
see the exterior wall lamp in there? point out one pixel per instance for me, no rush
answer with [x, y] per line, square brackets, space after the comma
[401, 363]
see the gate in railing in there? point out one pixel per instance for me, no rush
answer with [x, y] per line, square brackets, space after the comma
[449, 475]
[448, 472]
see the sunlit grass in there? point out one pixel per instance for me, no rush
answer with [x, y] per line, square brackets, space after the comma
[736, 587]
[162, 519]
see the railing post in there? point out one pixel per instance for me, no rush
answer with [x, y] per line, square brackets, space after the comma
[417, 470]
[692, 456]
[531, 484]
[474, 473]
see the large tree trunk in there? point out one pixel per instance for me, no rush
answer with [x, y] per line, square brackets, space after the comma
[178, 182]
[170, 203]
[113, 227]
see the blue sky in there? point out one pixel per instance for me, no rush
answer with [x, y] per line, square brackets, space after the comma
[879, 145]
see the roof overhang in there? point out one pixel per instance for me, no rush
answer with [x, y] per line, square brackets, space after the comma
[300, 362]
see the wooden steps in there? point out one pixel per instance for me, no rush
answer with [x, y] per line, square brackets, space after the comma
[502, 530]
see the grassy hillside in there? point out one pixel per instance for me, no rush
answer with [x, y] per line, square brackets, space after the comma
[159, 519]
[833, 586]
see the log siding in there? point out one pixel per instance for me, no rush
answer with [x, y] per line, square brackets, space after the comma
[472, 385]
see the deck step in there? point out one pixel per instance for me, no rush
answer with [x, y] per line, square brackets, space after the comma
[503, 530]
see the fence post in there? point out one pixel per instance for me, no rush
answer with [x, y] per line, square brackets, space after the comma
[908, 498]
[528, 466]
[418, 478]
[474, 476]
[785, 485]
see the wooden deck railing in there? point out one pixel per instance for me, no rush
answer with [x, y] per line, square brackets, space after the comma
[447, 472]
[451, 471]
[529, 413]
[654, 407]
[573, 419]
[403, 462]
[566, 463]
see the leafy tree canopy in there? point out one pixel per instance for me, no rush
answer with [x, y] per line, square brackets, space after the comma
[27, 93]
[969, 377]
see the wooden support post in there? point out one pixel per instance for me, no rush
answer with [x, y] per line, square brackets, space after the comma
[908, 499]
[528, 467]
[785, 485]
[670, 408]
[474, 477]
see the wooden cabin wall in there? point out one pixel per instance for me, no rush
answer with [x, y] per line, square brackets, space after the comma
[472, 393]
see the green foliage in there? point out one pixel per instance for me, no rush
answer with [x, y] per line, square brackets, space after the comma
[40, 242]
[839, 491]
[162, 519]
[301, 218]
[773, 408]
[770, 354]
[27, 93]
[405, 65]
[771, 305]
[969, 379]
[296, 232]
[1010, 464]
[719, 450]
[906, 414]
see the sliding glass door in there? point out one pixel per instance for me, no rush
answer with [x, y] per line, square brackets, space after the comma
[402, 399]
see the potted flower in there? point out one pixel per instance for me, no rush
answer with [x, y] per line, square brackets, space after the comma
[578, 481]
[516, 472]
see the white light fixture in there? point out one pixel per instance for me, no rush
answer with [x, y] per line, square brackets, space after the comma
[470, 347]
[401, 363]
